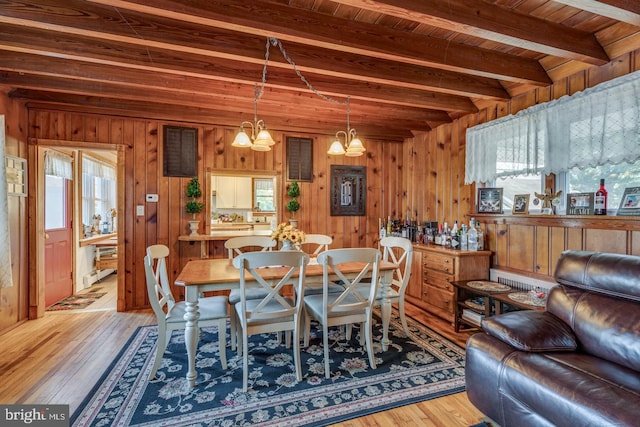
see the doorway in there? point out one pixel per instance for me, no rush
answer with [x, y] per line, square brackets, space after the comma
[75, 214]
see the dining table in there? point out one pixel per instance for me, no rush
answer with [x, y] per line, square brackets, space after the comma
[219, 274]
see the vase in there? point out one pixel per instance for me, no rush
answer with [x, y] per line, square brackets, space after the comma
[287, 245]
[193, 226]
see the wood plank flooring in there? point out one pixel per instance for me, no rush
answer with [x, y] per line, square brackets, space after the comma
[58, 358]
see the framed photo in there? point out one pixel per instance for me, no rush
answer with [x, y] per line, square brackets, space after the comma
[580, 203]
[490, 200]
[520, 204]
[348, 190]
[630, 202]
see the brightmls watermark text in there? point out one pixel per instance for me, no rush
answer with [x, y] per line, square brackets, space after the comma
[34, 415]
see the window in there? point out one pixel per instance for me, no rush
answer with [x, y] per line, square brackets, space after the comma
[98, 191]
[264, 194]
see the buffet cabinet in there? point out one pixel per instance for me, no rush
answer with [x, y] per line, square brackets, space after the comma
[434, 269]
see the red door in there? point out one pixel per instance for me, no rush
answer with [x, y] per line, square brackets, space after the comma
[57, 244]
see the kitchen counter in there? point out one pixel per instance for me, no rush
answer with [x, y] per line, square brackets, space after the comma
[220, 235]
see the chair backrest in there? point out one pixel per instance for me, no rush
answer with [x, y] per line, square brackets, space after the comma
[335, 261]
[158, 287]
[235, 245]
[283, 266]
[398, 250]
[317, 243]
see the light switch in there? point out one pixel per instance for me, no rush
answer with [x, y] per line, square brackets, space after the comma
[152, 197]
[140, 210]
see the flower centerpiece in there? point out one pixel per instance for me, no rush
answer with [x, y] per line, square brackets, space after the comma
[288, 235]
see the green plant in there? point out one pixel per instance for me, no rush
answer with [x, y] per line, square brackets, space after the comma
[194, 191]
[293, 205]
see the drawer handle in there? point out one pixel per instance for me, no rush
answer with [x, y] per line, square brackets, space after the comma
[446, 269]
[446, 261]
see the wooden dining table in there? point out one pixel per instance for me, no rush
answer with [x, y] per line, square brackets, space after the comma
[204, 275]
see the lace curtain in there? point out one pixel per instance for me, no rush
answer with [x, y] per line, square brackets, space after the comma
[6, 279]
[56, 164]
[597, 126]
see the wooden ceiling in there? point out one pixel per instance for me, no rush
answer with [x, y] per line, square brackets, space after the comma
[406, 65]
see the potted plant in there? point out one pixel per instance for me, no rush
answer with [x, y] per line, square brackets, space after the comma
[293, 205]
[194, 191]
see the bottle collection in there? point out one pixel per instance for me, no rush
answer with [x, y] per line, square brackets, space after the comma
[462, 237]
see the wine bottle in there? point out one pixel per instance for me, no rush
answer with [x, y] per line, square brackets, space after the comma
[472, 236]
[600, 205]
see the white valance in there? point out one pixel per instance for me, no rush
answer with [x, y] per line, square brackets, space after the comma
[97, 168]
[594, 127]
[58, 164]
[6, 279]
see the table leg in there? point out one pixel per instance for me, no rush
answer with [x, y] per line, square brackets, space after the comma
[191, 316]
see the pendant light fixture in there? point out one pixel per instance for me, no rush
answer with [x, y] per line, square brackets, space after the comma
[260, 139]
[353, 144]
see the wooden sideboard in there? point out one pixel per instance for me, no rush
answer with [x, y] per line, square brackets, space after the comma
[433, 271]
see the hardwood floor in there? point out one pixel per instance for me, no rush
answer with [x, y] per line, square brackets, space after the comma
[58, 358]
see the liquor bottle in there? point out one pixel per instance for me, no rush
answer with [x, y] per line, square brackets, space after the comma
[389, 225]
[463, 238]
[472, 236]
[480, 236]
[383, 229]
[600, 205]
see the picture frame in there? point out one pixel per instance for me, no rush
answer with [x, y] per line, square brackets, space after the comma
[348, 190]
[580, 203]
[630, 202]
[520, 204]
[489, 200]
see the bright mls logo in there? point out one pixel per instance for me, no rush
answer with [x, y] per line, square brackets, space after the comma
[34, 415]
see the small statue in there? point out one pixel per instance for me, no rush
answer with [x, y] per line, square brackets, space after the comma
[548, 199]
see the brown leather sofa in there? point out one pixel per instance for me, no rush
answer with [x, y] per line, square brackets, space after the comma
[575, 364]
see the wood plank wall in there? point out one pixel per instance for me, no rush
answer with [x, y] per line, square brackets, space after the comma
[164, 221]
[14, 300]
[434, 176]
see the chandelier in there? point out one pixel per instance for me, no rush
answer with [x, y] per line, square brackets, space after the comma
[260, 139]
[353, 144]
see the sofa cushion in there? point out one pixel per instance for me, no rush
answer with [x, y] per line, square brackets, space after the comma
[530, 330]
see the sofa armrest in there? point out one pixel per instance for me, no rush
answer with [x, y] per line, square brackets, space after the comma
[530, 330]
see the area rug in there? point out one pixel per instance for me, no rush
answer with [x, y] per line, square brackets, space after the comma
[76, 302]
[414, 369]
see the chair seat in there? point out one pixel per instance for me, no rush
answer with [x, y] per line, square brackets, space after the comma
[271, 306]
[393, 294]
[315, 290]
[315, 304]
[209, 308]
[251, 293]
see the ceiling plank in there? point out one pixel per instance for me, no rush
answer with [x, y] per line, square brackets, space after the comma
[309, 28]
[495, 23]
[621, 10]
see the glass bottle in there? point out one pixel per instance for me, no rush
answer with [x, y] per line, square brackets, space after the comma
[600, 205]
[480, 236]
[472, 236]
[463, 238]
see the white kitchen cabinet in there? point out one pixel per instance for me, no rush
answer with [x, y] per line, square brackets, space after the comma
[234, 192]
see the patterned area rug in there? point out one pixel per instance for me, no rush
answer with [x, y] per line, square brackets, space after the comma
[411, 370]
[75, 302]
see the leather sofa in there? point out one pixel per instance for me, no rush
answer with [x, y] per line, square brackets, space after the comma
[575, 364]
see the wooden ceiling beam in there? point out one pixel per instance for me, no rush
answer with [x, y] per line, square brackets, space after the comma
[269, 19]
[129, 108]
[495, 23]
[621, 10]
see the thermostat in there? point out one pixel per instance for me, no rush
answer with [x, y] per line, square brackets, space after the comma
[152, 197]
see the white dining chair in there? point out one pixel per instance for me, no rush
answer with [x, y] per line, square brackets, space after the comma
[277, 311]
[399, 251]
[316, 243]
[352, 305]
[170, 314]
[237, 246]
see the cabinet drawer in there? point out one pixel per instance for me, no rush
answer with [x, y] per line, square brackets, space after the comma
[438, 297]
[438, 280]
[443, 263]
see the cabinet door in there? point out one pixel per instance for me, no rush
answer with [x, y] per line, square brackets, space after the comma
[226, 192]
[244, 193]
[414, 288]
